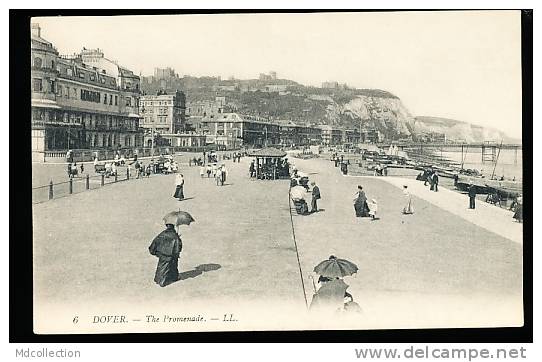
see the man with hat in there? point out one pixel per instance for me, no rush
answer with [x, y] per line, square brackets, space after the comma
[315, 196]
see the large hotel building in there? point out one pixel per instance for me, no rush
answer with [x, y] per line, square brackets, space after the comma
[81, 102]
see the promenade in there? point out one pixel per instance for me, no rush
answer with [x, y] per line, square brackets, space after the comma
[430, 269]
[434, 268]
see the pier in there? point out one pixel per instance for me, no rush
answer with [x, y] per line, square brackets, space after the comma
[488, 150]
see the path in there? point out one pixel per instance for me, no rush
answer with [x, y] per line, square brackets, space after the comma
[90, 249]
[432, 268]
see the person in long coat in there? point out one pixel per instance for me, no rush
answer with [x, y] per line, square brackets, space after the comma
[360, 203]
[435, 181]
[407, 209]
[518, 214]
[179, 187]
[167, 247]
[472, 197]
[223, 175]
[315, 197]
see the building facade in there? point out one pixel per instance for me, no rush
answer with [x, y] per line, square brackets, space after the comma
[331, 135]
[292, 134]
[351, 136]
[77, 104]
[163, 113]
[236, 129]
[164, 73]
[371, 136]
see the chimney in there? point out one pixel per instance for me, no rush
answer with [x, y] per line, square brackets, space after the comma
[35, 29]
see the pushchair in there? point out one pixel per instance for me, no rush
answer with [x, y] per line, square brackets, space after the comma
[301, 207]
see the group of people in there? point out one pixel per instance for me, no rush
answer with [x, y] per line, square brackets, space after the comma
[381, 170]
[195, 161]
[236, 157]
[429, 176]
[73, 170]
[269, 171]
[219, 173]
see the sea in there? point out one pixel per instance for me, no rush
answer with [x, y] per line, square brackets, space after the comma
[508, 163]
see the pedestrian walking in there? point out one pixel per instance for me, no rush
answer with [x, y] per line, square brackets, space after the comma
[179, 187]
[223, 174]
[167, 247]
[428, 175]
[518, 213]
[373, 208]
[315, 197]
[82, 168]
[252, 169]
[217, 176]
[137, 167]
[435, 181]
[209, 170]
[407, 209]
[472, 197]
[432, 181]
[360, 203]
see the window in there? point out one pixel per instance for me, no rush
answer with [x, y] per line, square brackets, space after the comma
[52, 64]
[59, 90]
[116, 100]
[37, 85]
[129, 101]
[110, 100]
[69, 72]
[37, 62]
[105, 98]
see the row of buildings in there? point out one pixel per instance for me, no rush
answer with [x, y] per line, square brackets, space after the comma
[232, 130]
[86, 101]
[81, 101]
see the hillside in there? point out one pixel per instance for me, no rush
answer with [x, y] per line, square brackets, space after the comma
[342, 106]
[459, 130]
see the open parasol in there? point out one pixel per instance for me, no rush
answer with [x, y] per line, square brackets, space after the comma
[335, 268]
[298, 193]
[178, 218]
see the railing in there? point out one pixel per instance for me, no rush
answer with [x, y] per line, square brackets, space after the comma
[78, 184]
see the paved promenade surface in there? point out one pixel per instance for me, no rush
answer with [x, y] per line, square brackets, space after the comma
[91, 247]
[487, 216]
[433, 268]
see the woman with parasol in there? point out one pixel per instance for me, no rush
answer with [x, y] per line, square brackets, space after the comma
[330, 296]
[167, 247]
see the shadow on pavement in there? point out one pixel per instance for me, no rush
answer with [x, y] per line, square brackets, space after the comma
[200, 269]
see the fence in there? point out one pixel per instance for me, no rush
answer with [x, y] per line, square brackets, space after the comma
[79, 184]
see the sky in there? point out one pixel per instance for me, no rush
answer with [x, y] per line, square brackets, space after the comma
[459, 65]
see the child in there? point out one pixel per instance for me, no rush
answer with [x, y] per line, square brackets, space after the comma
[373, 208]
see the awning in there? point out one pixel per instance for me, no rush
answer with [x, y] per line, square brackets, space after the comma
[268, 152]
[45, 103]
